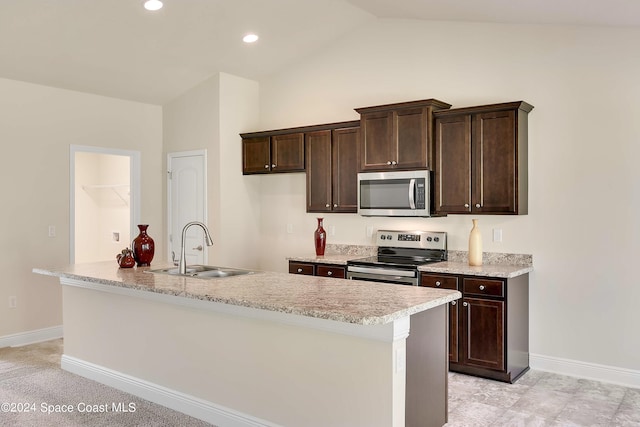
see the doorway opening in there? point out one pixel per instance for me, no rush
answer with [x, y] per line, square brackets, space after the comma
[104, 202]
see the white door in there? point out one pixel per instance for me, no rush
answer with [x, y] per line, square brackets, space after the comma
[187, 201]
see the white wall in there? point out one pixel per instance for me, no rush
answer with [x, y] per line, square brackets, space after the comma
[37, 126]
[210, 116]
[584, 201]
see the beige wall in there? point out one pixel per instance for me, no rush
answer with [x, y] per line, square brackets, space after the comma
[37, 126]
[210, 116]
[584, 201]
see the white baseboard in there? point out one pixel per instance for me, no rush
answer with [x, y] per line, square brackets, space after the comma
[190, 405]
[31, 337]
[592, 371]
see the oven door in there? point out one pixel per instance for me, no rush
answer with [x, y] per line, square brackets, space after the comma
[383, 275]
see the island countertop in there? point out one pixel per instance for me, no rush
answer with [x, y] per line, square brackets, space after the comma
[348, 301]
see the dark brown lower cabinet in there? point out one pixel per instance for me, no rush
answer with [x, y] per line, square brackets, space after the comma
[317, 269]
[489, 326]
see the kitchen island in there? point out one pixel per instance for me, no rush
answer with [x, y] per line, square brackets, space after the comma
[261, 349]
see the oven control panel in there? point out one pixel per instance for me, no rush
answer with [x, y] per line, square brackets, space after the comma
[412, 239]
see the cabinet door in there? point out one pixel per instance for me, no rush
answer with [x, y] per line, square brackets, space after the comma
[453, 164]
[319, 165]
[378, 148]
[411, 151]
[495, 160]
[345, 170]
[447, 282]
[287, 153]
[256, 155]
[483, 333]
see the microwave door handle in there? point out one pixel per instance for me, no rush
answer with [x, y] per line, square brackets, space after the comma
[412, 192]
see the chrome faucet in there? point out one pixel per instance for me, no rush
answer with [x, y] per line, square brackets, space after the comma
[182, 266]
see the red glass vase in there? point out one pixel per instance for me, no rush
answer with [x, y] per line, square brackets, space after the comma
[143, 247]
[320, 237]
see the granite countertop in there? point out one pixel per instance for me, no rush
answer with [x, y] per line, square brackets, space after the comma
[505, 271]
[349, 301]
[339, 259]
[495, 265]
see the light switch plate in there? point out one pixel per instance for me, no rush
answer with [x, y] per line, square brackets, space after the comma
[497, 234]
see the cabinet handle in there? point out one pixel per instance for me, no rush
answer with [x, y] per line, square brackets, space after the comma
[329, 273]
[273, 166]
[335, 205]
[394, 162]
[389, 162]
[299, 270]
[466, 205]
[438, 283]
[482, 287]
[327, 205]
[454, 302]
[478, 205]
[465, 303]
[266, 166]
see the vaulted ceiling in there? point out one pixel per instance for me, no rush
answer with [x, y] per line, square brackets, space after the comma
[116, 48]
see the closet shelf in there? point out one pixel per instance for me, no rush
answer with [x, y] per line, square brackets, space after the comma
[116, 188]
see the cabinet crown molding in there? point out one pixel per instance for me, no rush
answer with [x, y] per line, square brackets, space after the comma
[436, 104]
[520, 105]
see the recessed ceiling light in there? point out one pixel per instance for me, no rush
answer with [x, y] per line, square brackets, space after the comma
[153, 5]
[250, 38]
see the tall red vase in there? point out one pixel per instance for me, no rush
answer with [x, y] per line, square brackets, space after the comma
[143, 247]
[320, 237]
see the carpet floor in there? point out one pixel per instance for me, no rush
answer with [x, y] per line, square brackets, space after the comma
[35, 391]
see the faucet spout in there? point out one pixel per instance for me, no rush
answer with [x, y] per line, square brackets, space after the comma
[182, 265]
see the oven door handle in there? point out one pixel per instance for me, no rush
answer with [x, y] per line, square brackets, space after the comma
[412, 193]
[413, 281]
[381, 271]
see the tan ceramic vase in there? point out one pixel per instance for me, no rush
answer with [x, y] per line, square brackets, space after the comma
[475, 244]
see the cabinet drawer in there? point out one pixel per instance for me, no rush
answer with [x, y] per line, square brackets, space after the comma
[301, 268]
[330, 271]
[444, 282]
[489, 287]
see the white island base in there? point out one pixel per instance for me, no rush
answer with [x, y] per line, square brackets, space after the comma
[241, 366]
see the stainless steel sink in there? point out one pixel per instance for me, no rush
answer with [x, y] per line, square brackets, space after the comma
[203, 271]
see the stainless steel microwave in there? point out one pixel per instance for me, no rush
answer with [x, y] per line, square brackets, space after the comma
[401, 193]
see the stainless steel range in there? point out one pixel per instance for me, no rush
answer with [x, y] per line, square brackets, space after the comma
[400, 253]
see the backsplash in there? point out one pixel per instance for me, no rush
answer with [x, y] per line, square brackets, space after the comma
[364, 250]
[453, 256]
[492, 258]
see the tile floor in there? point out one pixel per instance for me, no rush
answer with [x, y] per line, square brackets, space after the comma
[541, 399]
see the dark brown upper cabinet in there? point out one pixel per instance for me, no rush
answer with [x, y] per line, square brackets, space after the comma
[276, 153]
[332, 170]
[398, 136]
[481, 159]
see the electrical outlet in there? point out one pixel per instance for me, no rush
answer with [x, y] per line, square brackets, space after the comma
[497, 234]
[52, 231]
[13, 302]
[332, 230]
[115, 236]
[289, 228]
[369, 231]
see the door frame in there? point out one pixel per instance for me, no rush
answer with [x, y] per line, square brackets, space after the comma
[134, 189]
[191, 153]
